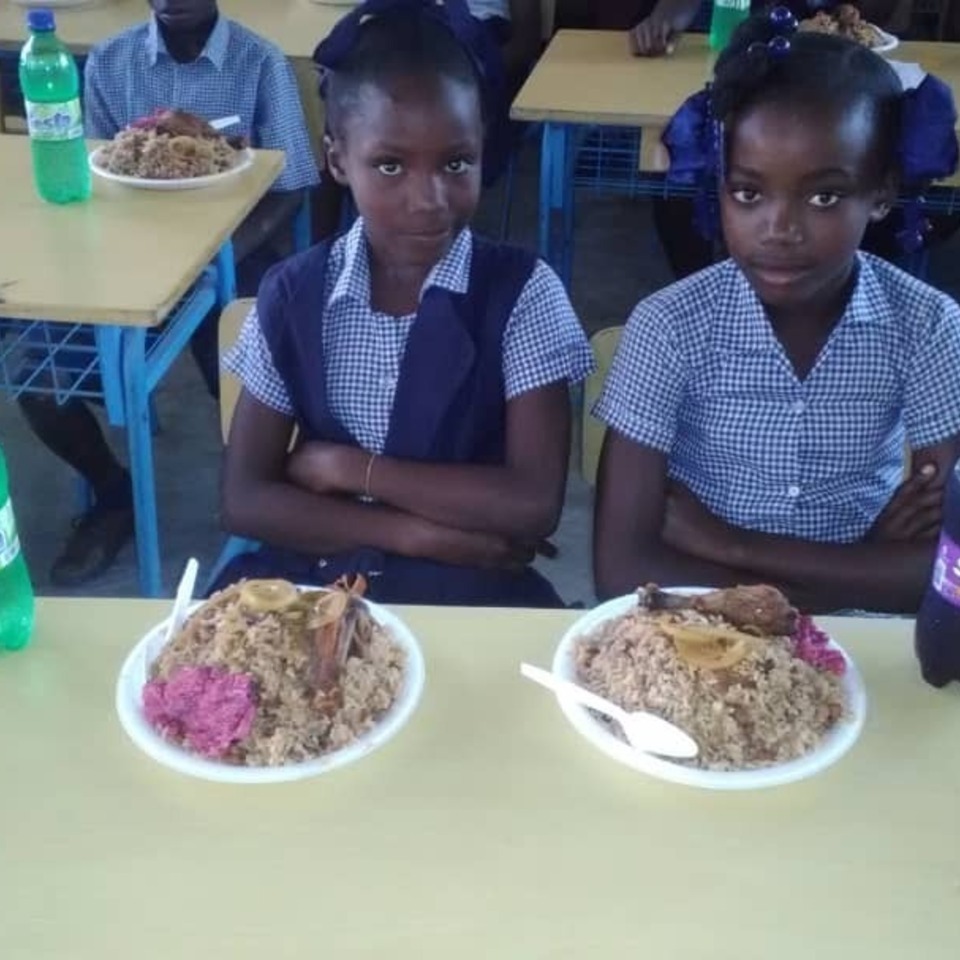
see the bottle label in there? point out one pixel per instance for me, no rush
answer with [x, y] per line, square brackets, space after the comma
[54, 121]
[9, 541]
[742, 5]
[946, 570]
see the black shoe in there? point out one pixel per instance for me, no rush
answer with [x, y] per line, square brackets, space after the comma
[98, 536]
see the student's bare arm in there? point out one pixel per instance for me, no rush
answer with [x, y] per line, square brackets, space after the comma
[653, 36]
[520, 500]
[887, 571]
[260, 502]
[628, 550]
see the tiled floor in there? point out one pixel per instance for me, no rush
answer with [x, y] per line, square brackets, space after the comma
[617, 262]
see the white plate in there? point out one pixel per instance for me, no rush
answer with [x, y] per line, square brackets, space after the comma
[129, 703]
[188, 183]
[837, 742]
[889, 41]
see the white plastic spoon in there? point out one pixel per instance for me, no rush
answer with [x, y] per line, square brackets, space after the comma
[645, 732]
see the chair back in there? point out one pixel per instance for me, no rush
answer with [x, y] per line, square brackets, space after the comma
[231, 320]
[604, 343]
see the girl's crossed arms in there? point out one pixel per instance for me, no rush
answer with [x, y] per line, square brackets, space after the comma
[758, 409]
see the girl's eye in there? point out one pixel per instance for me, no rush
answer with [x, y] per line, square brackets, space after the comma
[745, 195]
[825, 200]
[459, 165]
[390, 168]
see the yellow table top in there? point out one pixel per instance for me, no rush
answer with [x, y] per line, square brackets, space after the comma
[125, 257]
[487, 829]
[590, 76]
[296, 26]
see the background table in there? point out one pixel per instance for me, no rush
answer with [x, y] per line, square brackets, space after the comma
[295, 26]
[126, 262]
[487, 829]
[589, 77]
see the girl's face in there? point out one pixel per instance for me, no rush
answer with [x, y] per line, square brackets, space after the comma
[411, 156]
[800, 189]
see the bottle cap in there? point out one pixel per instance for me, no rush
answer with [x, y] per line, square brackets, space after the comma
[41, 20]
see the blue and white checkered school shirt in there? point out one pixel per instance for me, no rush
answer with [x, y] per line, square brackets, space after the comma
[700, 376]
[130, 75]
[543, 341]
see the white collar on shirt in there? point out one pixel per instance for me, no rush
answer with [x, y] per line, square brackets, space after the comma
[451, 273]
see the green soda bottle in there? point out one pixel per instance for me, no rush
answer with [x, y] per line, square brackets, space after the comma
[51, 92]
[16, 592]
[727, 16]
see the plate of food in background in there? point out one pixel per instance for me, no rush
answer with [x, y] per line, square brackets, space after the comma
[268, 682]
[768, 697]
[171, 150]
[845, 21]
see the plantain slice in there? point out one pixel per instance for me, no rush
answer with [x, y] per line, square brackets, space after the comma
[718, 656]
[708, 646]
[268, 596]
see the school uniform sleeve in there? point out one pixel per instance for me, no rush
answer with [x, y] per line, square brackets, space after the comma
[932, 399]
[543, 342]
[251, 362]
[98, 120]
[643, 391]
[279, 124]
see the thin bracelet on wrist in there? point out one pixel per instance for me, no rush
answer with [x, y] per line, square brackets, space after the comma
[367, 476]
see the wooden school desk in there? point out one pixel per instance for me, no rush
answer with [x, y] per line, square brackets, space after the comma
[141, 269]
[295, 26]
[487, 829]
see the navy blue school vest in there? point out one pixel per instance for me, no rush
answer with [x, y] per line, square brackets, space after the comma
[449, 407]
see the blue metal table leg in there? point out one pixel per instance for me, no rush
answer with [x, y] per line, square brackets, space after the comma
[556, 198]
[226, 275]
[140, 452]
[568, 152]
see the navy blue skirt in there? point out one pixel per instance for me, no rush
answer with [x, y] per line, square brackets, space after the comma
[401, 580]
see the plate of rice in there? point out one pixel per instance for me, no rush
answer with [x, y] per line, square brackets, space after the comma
[769, 698]
[845, 21]
[171, 150]
[268, 682]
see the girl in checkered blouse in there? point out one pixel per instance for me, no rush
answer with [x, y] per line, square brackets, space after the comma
[758, 410]
[425, 369]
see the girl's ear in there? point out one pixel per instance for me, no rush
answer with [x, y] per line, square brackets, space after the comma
[333, 150]
[880, 209]
[885, 198]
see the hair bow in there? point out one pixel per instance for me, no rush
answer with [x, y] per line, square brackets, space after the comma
[334, 50]
[694, 140]
[928, 151]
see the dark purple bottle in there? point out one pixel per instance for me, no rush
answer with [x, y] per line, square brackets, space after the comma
[937, 636]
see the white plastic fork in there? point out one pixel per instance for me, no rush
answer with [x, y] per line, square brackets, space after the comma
[224, 122]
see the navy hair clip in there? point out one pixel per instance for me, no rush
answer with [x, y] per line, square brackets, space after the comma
[783, 23]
